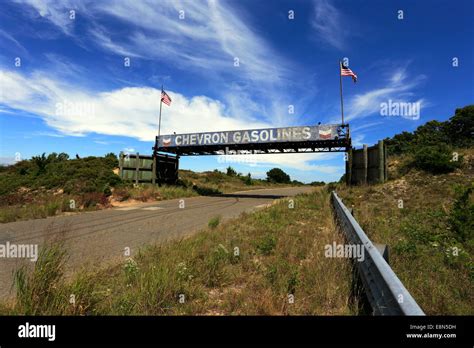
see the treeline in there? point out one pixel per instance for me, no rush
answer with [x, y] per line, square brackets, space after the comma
[432, 146]
[457, 132]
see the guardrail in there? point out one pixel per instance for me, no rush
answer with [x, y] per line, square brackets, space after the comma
[385, 292]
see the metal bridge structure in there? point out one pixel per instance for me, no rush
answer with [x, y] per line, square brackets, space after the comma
[302, 139]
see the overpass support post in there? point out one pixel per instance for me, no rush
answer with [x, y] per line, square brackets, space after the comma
[381, 163]
[153, 173]
[349, 166]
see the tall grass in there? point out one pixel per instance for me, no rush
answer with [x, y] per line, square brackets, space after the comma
[250, 265]
[430, 249]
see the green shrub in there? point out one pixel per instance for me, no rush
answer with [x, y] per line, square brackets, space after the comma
[214, 222]
[88, 174]
[266, 245]
[435, 159]
[206, 191]
[461, 218]
[107, 191]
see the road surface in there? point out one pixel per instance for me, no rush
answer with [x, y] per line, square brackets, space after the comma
[96, 238]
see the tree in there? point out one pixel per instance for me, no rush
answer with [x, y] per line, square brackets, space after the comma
[231, 171]
[400, 143]
[41, 162]
[278, 176]
[111, 159]
[431, 133]
[248, 179]
[461, 127]
[458, 131]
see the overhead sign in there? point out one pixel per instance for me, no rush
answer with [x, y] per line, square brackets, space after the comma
[250, 136]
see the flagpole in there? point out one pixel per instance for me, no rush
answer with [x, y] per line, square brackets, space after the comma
[340, 86]
[159, 122]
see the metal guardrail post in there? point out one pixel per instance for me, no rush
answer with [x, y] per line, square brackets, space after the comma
[385, 292]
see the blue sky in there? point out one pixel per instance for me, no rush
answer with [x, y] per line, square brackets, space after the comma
[66, 87]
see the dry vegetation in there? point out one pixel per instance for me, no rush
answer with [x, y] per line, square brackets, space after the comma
[280, 253]
[34, 202]
[420, 235]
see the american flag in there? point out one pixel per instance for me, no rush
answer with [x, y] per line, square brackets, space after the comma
[165, 98]
[345, 71]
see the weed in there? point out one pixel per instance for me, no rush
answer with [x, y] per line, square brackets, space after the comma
[214, 222]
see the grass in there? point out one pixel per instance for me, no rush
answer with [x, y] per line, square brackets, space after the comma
[148, 192]
[433, 261]
[251, 265]
[34, 202]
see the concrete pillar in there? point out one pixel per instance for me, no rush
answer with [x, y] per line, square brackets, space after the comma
[381, 164]
[153, 173]
[349, 167]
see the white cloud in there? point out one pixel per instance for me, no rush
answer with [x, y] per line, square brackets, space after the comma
[205, 43]
[133, 112]
[55, 11]
[130, 111]
[329, 24]
[399, 86]
[209, 37]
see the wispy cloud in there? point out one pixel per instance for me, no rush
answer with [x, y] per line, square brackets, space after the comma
[329, 24]
[49, 134]
[57, 12]
[20, 49]
[399, 87]
[210, 36]
[211, 39]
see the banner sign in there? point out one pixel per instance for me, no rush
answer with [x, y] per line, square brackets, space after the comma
[251, 136]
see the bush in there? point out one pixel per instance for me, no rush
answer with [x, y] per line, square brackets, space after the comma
[90, 174]
[266, 244]
[461, 218]
[214, 222]
[278, 176]
[206, 191]
[435, 159]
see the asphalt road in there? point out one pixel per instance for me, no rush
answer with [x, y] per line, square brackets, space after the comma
[93, 239]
